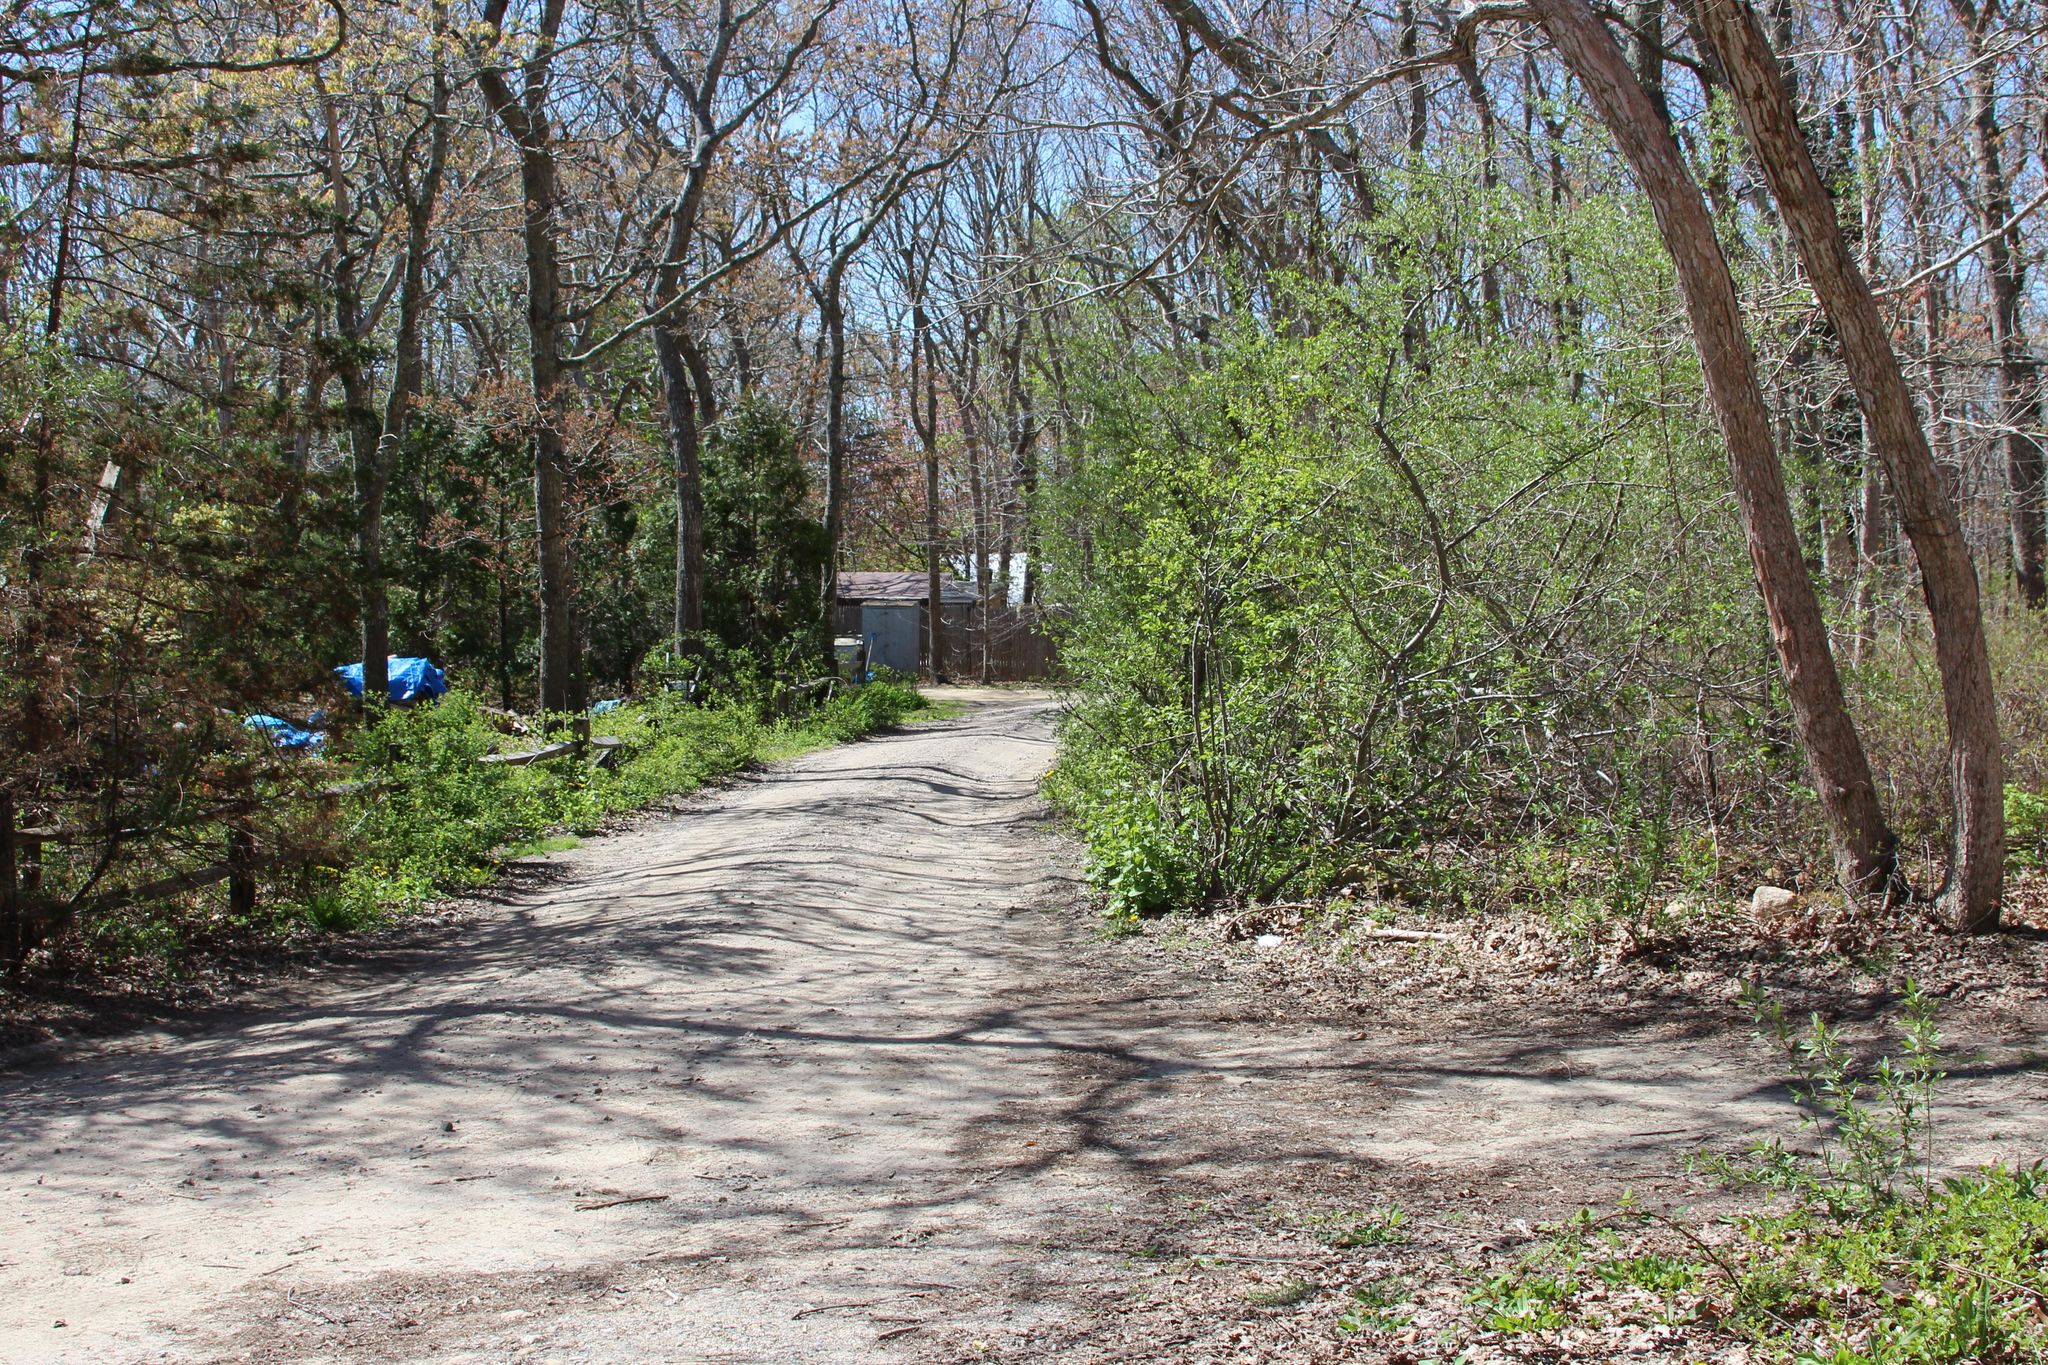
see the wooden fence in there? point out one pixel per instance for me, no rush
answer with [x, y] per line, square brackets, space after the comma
[20, 876]
[1000, 644]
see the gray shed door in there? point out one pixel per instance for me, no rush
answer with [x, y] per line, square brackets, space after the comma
[892, 635]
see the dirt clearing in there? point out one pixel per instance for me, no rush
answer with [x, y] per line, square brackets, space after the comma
[826, 1068]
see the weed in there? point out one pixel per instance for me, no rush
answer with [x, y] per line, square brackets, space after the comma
[2026, 827]
[1873, 1262]
[1382, 1306]
[1378, 1228]
[1285, 1294]
[1874, 1132]
[1523, 1300]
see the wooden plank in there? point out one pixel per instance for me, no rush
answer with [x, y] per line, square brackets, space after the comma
[86, 834]
[531, 756]
[198, 879]
[348, 789]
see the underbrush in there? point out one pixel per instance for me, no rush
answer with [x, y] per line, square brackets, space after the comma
[404, 814]
[1435, 639]
[1863, 1256]
[1663, 854]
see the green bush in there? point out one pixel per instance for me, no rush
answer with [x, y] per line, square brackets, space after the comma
[1324, 609]
[2026, 827]
[861, 710]
[427, 815]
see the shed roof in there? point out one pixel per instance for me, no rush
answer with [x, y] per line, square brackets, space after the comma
[902, 587]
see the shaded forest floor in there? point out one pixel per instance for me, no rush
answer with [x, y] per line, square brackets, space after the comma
[830, 1066]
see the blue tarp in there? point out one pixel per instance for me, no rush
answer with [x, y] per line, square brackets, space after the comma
[285, 735]
[411, 679]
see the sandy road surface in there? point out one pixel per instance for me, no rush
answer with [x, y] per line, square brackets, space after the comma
[804, 1073]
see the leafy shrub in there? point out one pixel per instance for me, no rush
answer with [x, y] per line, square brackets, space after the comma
[1874, 1131]
[858, 711]
[427, 814]
[1324, 610]
[2026, 827]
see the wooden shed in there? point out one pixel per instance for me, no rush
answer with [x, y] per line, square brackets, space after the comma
[989, 642]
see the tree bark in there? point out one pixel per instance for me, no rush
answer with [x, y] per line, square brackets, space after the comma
[1646, 50]
[1864, 848]
[1870, 513]
[365, 432]
[685, 442]
[407, 377]
[1976, 875]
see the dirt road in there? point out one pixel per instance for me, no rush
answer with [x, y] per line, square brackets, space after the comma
[820, 1069]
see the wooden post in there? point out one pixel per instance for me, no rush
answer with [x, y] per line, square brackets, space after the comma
[241, 869]
[10, 893]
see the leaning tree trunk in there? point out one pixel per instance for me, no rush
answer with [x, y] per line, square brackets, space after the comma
[1948, 577]
[1864, 848]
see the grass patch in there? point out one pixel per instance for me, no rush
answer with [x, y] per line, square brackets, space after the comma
[1382, 1306]
[1864, 1258]
[1956, 1274]
[1284, 1294]
[534, 848]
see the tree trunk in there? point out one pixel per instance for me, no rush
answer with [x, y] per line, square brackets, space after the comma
[924, 416]
[407, 377]
[502, 578]
[1414, 320]
[373, 604]
[1948, 578]
[1646, 50]
[679, 406]
[1864, 848]
[1870, 513]
[525, 117]
[978, 494]
[832, 319]
[365, 433]
[2019, 378]
[1489, 181]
